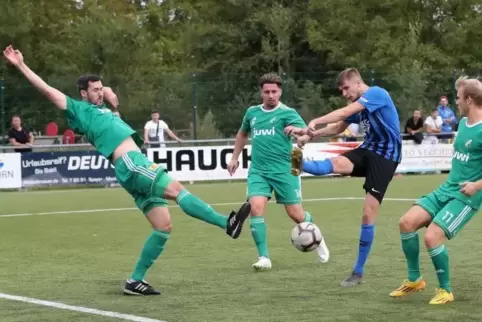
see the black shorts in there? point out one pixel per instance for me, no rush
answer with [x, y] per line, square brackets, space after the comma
[377, 171]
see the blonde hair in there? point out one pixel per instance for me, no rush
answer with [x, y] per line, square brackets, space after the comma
[470, 87]
[347, 74]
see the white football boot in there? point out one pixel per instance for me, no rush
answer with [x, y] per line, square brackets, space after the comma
[323, 252]
[263, 264]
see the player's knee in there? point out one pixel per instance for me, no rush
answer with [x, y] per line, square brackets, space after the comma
[406, 224]
[370, 210]
[160, 219]
[257, 206]
[434, 236]
[167, 227]
[257, 210]
[342, 165]
[173, 190]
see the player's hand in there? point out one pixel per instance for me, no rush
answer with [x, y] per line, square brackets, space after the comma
[110, 97]
[469, 188]
[232, 167]
[312, 126]
[302, 140]
[293, 130]
[13, 56]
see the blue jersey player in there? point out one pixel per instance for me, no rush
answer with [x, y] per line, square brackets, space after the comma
[376, 159]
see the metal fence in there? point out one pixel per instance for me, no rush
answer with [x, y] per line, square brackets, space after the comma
[443, 138]
[204, 105]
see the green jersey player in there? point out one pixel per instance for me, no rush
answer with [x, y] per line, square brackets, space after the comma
[450, 207]
[270, 169]
[148, 183]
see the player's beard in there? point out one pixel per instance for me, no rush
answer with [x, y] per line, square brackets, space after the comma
[97, 101]
[270, 105]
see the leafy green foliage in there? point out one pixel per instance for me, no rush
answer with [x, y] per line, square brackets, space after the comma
[173, 55]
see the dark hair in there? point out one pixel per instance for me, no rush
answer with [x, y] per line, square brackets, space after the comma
[435, 109]
[83, 81]
[270, 78]
[154, 112]
[347, 74]
[16, 116]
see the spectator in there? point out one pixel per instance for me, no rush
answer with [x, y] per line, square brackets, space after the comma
[19, 137]
[154, 131]
[352, 132]
[433, 126]
[448, 117]
[414, 127]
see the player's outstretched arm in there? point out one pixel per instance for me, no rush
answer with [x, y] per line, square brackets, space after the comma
[329, 130]
[337, 115]
[15, 58]
[332, 129]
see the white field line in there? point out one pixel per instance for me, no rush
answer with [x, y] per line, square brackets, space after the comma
[117, 315]
[204, 185]
[68, 212]
[81, 309]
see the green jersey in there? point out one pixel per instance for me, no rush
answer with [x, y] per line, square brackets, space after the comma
[104, 130]
[466, 163]
[270, 146]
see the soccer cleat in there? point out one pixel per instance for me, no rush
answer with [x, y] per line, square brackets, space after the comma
[236, 220]
[352, 280]
[263, 264]
[323, 251]
[296, 161]
[408, 287]
[442, 297]
[139, 288]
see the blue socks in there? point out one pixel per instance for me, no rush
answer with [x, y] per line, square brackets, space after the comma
[366, 239]
[318, 168]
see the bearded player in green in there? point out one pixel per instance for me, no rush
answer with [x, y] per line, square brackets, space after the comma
[270, 168]
[148, 183]
[450, 207]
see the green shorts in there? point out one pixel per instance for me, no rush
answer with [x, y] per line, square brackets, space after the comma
[144, 180]
[449, 213]
[286, 187]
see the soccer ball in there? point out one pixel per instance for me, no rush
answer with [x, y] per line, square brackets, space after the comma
[306, 236]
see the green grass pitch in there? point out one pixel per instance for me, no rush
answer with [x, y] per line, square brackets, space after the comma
[82, 259]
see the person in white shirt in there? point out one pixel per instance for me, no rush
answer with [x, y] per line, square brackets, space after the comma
[433, 126]
[154, 131]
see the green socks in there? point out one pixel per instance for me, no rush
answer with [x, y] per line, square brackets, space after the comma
[439, 256]
[195, 207]
[411, 249]
[258, 231]
[153, 247]
[440, 260]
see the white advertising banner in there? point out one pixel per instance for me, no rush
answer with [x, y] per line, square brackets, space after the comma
[210, 163]
[415, 157]
[200, 163]
[10, 171]
[426, 158]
